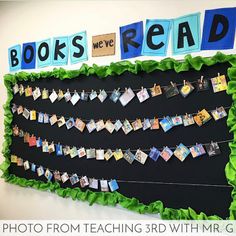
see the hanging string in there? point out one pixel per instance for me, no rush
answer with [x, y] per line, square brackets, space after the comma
[175, 183]
[121, 90]
[189, 146]
[143, 182]
[87, 120]
[51, 170]
[133, 150]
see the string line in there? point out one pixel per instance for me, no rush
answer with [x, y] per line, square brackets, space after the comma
[120, 90]
[87, 120]
[132, 150]
[174, 183]
[142, 182]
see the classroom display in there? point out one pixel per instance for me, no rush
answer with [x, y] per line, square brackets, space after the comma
[154, 137]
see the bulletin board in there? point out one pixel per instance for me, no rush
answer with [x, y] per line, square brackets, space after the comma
[199, 188]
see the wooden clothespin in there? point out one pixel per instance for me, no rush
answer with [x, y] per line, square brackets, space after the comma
[201, 78]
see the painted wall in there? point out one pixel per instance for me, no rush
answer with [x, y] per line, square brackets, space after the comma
[31, 21]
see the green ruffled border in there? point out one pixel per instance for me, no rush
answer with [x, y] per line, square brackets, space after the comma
[108, 198]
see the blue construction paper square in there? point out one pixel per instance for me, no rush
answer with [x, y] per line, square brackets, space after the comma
[78, 53]
[42, 47]
[161, 40]
[14, 58]
[28, 56]
[193, 21]
[61, 58]
[135, 32]
[226, 42]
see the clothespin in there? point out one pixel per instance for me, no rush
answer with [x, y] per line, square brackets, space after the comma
[201, 78]
[184, 82]
[172, 84]
[218, 74]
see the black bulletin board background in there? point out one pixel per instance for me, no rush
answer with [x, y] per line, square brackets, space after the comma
[210, 200]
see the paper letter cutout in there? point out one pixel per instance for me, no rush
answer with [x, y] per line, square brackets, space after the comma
[43, 49]
[156, 38]
[28, 56]
[103, 45]
[219, 29]
[131, 39]
[14, 58]
[78, 47]
[60, 51]
[186, 34]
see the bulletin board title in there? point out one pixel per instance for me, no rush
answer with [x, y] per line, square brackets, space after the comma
[218, 34]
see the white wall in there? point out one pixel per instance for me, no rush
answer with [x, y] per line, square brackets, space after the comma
[27, 21]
